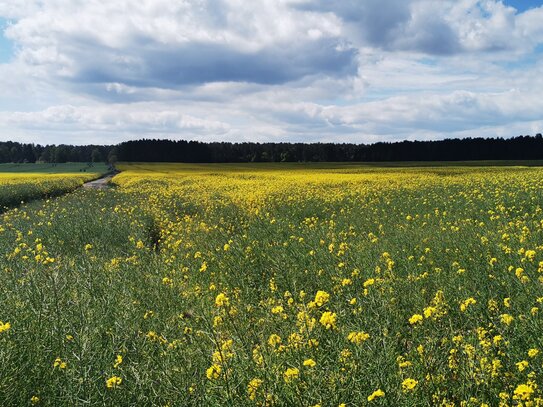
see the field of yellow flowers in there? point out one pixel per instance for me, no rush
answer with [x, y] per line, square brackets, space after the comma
[23, 182]
[280, 285]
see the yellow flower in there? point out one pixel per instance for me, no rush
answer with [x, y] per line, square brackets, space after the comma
[60, 363]
[118, 361]
[492, 305]
[357, 337]
[277, 309]
[506, 319]
[429, 311]
[291, 374]
[533, 353]
[113, 382]
[273, 286]
[368, 282]
[457, 339]
[253, 387]
[213, 372]
[313, 343]
[465, 304]
[496, 366]
[328, 320]
[274, 340]
[522, 365]
[295, 340]
[415, 319]
[409, 385]
[4, 326]
[530, 254]
[222, 300]
[523, 392]
[375, 394]
[402, 363]
[346, 282]
[34, 400]
[310, 363]
[321, 298]
[153, 336]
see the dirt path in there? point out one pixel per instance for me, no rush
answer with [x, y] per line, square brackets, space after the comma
[100, 183]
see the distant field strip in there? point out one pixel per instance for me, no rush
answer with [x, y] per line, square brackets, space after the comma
[21, 183]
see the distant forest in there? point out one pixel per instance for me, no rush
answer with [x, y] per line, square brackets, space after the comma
[518, 148]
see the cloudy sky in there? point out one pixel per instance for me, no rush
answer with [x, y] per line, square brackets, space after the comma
[101, 71]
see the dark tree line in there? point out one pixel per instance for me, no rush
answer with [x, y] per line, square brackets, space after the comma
[18, 153]
[518, 148]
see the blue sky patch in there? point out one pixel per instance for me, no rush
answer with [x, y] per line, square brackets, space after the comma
[6, 45]
[523, 5]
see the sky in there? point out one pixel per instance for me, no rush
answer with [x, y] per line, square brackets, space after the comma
[360, 71]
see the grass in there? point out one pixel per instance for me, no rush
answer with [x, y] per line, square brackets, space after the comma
[277, 285]
[48, 168]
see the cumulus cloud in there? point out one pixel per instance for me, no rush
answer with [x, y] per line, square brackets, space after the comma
[269, 70]
[435, 27]
[168, 44]
[114, 118]
[392, 24]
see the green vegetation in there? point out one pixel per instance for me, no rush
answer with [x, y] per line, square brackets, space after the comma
[48, 168]
[24, 182]
[269, 285]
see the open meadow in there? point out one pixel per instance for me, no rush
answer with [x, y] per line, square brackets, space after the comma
[277, 285]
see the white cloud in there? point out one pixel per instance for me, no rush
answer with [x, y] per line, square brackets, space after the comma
[113, 118]
[168, 44]
[269, 70]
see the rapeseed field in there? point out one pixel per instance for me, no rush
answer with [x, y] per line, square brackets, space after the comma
[277, 285]
[23, 182]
